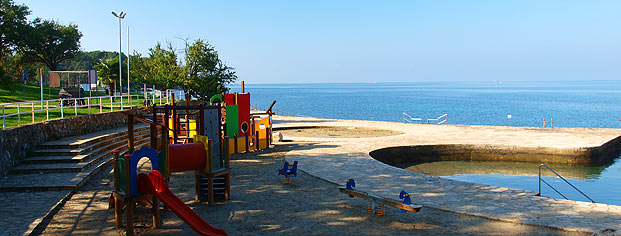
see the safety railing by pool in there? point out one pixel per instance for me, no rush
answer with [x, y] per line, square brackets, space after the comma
[410, 119]
[17, 112]
[440, 120]
[541, 180]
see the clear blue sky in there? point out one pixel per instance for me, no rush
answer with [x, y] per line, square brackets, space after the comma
[369, 41]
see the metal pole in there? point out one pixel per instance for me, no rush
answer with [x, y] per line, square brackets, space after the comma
[41, 85]
[33, 120]
[62, 111]
[19, 119]
[128, 63]
[75, 106]
[47, 110]
[100, 105]
[120, 65]
[3, 119]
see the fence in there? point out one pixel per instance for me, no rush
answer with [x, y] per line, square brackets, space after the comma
[19, 110]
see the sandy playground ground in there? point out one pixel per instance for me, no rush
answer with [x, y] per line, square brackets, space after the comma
[262, 205]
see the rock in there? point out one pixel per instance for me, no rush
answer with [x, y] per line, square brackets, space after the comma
[277, 137]
[607, 232]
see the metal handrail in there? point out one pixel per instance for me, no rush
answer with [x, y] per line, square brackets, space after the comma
[438, 119]
[411, 118]
[133, 100]
[540, 180]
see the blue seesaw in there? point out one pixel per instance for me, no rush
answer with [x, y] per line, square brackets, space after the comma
[378, 202]
[289, 170]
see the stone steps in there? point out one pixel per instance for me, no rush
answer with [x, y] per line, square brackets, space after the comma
[73, 150]
[88, 139]
[73, 167]
[62, 157]
[59, 171]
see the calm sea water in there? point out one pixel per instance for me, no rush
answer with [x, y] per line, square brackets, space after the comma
[593, 104]
[587, 104]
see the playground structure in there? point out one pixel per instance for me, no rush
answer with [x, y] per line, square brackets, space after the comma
[377, 203]
[287, 172]
[188, 138]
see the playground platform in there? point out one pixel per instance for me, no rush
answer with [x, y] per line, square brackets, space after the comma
[41, 184]
[339, 159]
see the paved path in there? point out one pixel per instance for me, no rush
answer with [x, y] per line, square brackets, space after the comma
[29, 200]
[339, 159]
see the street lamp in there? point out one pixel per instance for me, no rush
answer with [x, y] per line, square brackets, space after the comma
[121, 16]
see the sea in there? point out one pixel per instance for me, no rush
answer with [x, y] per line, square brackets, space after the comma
[586, 104]
[579, 104]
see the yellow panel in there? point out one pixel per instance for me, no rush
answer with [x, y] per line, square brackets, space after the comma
[231, 146]
[192, 128]
[241, 144]
[262, 144]
[252, 144]
[261, 126]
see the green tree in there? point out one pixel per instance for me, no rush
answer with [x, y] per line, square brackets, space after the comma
[108, 72]
[162, 68]
[204, 73]
[51, 43]
[12, 26]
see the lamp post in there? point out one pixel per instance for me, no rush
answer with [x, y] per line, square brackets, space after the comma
[121, 16]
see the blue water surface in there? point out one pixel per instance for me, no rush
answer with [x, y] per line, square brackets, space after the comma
[589, 104]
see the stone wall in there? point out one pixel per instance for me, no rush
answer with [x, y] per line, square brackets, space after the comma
[16, 142]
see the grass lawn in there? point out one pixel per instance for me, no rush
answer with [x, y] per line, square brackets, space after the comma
[21, 93]
[55, 112]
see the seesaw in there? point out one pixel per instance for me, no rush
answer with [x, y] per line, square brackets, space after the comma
[378, 202]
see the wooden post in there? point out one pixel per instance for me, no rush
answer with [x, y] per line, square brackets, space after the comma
[130, 133]
[242, 87]
[210, 193]
[226, 151]
[153, 130]
[118, 207]
[129, 216]
[155, 210]
[197, 186]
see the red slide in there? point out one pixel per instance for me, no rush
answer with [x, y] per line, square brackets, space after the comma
[154, 184]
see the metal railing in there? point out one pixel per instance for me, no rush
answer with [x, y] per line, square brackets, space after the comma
[107, 102]
[541, 180]
[410, 119]
[441, 119]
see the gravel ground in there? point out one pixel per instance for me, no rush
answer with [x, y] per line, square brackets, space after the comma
[262, 205]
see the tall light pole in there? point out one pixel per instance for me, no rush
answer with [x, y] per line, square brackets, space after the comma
[121, 16]
[128, 98]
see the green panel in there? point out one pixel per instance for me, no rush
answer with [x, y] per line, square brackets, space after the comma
[232, 123]
[216, 98]
[161, 159]
[121, 174]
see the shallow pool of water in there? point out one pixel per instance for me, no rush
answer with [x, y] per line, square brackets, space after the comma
[601, 183]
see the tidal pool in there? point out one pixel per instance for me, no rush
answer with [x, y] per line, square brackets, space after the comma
[602, 183]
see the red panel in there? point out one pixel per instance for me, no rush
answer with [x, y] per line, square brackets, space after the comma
[189, 156]
[243, 106]
[229, 99]
[155, 184]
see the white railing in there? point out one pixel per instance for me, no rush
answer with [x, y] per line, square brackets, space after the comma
[109, 103]
[438, 121]
[410, 119]
[441, 119]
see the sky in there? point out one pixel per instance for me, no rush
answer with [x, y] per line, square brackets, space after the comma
[368, 41]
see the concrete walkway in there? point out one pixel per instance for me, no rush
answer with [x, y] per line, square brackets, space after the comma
[339, 159]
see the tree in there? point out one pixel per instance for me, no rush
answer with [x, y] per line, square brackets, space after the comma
[162, 68]
[204, 73]
[12, 26]
[108, 72]
[51, 43]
